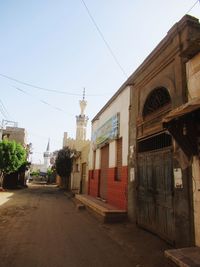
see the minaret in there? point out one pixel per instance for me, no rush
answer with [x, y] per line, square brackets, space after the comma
[47, 156]
[81, 120]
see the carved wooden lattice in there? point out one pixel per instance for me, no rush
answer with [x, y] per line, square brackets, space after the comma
[156, 100]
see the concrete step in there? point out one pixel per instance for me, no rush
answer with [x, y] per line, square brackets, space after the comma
[184, 257]
[105, 212]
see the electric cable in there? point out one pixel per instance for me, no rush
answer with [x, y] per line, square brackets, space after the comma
[42, 101]
[104, 39]
[193, 6]
[4, 108]
[45, 89]
[3, 113]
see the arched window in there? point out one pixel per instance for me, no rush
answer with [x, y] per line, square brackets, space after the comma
[157, 99]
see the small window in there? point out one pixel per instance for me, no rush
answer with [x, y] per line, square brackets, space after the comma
[5, 136]
[155, 142]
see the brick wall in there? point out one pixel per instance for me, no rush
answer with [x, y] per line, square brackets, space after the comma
[93, 183]
[117, 190]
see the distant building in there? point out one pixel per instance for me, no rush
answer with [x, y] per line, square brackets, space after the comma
[35, 167]
[79, 176]
[81, 129]
[19, 135]
[15, 133]
[47, 157]
[81, 121]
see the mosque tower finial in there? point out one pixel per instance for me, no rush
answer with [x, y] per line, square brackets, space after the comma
[48, 146]
[81, 120]
[46, 155]
[83, 103]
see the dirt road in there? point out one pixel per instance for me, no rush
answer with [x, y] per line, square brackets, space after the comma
[40, 227]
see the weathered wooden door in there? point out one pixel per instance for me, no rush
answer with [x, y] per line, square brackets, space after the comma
[104, 171]
[155, 192]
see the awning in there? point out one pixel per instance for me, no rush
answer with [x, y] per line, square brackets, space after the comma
[184, 109]
[182, 124]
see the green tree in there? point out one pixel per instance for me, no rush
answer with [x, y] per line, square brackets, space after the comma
[63, 165]
[12, 157]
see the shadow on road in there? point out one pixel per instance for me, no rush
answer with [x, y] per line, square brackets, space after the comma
[41, 221]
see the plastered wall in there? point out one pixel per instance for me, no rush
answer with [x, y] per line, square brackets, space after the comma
[193, 78]
[119, 105]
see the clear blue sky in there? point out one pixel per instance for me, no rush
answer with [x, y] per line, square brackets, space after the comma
[55, 45]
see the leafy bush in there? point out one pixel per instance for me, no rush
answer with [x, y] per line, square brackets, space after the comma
[12, 156]
[63, 165]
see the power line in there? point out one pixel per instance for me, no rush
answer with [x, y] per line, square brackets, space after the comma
[193, 6]
[3, 109]
[104, 39]
[3, 113]
[43, 88]
[42, 101]
[35, 86]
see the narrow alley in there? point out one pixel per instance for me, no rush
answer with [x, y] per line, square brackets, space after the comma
[41, 227]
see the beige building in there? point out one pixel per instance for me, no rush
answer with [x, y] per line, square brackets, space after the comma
[193, 77]
[15, 133]
[79, 175]
[18, 135]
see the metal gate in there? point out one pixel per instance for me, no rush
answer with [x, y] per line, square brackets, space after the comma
[104, 171]
[155, 188]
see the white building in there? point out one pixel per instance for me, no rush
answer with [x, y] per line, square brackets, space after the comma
[108, 162]
[47, 156]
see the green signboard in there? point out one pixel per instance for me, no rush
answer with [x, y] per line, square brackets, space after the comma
[108, 131]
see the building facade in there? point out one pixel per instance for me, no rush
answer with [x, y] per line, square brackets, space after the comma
[19, 135]
[160, 181]
[79, 175]
[184, 125]
[193, 72]
[15, 133]
[108, 166]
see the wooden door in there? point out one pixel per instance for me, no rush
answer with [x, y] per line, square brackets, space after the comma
[104, 171]
[155, 193]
